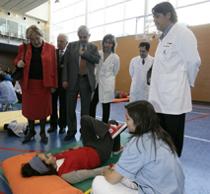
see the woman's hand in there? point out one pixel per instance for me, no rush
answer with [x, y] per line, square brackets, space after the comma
[53, 90]
[111, 175]
[20, 64]
[65, 84]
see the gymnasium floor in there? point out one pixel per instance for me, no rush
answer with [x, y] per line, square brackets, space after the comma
[195, 157]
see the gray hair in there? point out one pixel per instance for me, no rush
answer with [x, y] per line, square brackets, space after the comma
[83, 30]
[64, 36]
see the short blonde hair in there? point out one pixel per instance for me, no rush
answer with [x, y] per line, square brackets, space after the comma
[33, 29]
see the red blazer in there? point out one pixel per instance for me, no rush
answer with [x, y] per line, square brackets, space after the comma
[49, 64]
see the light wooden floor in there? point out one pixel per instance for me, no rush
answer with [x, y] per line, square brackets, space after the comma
[6, 117]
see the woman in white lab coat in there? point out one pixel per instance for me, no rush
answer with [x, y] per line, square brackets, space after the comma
[106, 72]
[138, 69]
[176, 64]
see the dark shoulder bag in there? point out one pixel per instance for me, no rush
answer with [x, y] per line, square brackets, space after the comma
[18, 73]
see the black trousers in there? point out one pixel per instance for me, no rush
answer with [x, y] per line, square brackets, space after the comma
[83, 88]
[59, 94]
[105, 107]
[94, 133]
[174, 125]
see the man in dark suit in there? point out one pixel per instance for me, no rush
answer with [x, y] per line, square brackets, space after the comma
[78, 77]
[59, 93]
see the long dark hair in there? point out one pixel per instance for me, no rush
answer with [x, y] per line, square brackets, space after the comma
[146, 120]
[28, 171]
[112, 39]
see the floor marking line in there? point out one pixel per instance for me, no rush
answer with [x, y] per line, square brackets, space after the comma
[201, 107]
[198, 117]
[200, 113]
[197, 138]
[18, 150]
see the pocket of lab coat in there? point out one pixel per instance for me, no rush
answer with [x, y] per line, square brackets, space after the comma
[169, 87]
[169, 60]
[169, 50]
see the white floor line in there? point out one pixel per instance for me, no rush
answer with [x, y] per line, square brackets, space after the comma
[201, 107]
[197, 139]
[200, 113]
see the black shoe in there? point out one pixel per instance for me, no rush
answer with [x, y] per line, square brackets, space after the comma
[62, 130]
[29, 137]
[51, 129]
[69, 136]
[44, 139]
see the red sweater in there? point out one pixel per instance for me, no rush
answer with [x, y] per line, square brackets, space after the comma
[77, 159]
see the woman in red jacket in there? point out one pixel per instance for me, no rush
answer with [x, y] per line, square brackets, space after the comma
[38, 60]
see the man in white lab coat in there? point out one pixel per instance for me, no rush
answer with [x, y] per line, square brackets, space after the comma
[176, 64]
[138, 69]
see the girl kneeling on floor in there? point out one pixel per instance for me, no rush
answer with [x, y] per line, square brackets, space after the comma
[149, 159]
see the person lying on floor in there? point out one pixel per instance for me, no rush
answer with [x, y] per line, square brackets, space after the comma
[98, 140]
[149, 158]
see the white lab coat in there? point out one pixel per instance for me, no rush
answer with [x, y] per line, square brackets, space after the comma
[139, 89]
[175, 68]
[105, 76]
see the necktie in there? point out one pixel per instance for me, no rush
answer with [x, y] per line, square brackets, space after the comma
[143, 61]
[82, 67]
[61, 52]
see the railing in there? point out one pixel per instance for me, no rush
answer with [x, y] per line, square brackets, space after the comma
[11, 30]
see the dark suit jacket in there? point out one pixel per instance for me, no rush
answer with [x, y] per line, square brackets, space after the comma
[71, 63]
[60, 65]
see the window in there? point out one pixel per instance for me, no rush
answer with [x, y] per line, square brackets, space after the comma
[95, 4]
[2, 26]
[199, 17]
[114, 13]
[140, 26]
[96, 18]
[186, 2]
[97, 33]
[116, 29]
[111, 2]
[119, 17]
[134, 8]
[130, 26]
